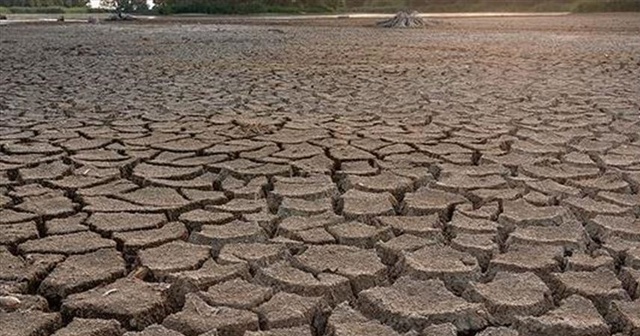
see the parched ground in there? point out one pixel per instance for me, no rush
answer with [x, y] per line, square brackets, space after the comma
[222, 177]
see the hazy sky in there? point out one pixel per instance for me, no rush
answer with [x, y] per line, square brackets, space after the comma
[96, 3]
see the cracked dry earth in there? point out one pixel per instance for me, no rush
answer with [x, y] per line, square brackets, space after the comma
[477, 178]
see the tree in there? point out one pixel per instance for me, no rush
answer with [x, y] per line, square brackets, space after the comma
[125, 6]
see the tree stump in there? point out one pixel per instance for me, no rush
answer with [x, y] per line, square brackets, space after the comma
[403, 19]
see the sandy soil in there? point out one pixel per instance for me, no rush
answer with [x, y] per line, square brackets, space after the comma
[234, 176]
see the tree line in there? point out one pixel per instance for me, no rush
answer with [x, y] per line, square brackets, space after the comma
[294, 6]
[43, 3]
[240, 6]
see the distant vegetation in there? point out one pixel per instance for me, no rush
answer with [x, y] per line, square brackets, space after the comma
[43, 3]
[309, 6]
[607, 6]
[50, 10]
[44, 6]
[67, 6]
[495, 5]
[322, 6]
[249, 6]
[312, 6]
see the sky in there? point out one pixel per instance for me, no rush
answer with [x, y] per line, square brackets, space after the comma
[96, 3]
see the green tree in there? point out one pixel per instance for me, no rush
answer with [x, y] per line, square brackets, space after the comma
[125, 6]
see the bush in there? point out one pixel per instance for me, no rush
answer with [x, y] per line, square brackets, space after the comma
[5, 10]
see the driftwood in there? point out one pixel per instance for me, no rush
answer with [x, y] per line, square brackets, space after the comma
[403, 19]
